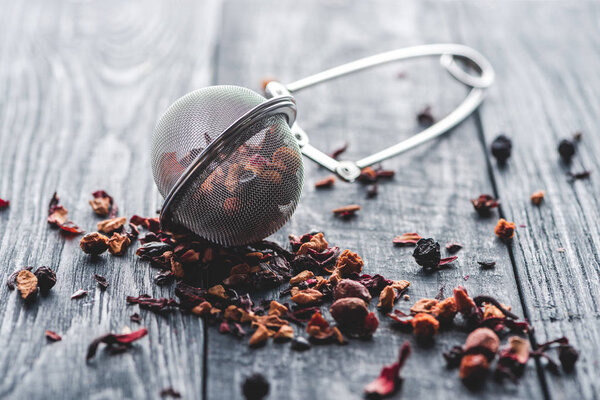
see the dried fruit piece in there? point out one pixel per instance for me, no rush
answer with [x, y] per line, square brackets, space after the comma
[348, 263]
[116, 342]
[464, 304]
[453, 247]
[287, 160]
[501, 148]
[52, 336]
[103, 204]
[27, 283]
[407, 238]
[484, 204]
[202, 309]
[349, 311]
[260, 336]
[57, 216]
[316, 243]
[318, 328]
[286, 332]
[218, 291]
[386, 298]
[94, 243]
[445, 310]
[46, 279]
[482, 341]
[427, 253]
[351, 288]
[118, 244]
[4, 204]
[473, 368]
[325, 182]
[568, 356]
[307, 297]
[301, 277]
[389, 379]
[424, 326]
[505, 230]
[255, 387]
[424, 306]
[346, 211]
[102, 282]
[538, 197]
[111, 225]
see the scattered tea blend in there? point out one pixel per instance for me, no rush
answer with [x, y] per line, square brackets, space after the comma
[501, 148]
[116, 343]
[4, 203]
[58, 216]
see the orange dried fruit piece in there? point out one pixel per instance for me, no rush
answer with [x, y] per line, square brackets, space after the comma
[307, 297]
[538, 197]
[317, 243]
[202, 309]
[445, 309]
[94, 243]
[118, 244]
[101, 205]
[218, 291]
[348, 263]
[111, 225]
[260, 336]
[286, 332]
[346, 211]
[27, 283]
[424, 306]
[505, 230]
[386, 298]
[276, 308]
[301, 277]
[424, 325]
[325, 182]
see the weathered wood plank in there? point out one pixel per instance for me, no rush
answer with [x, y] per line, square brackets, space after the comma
[81, 87]
[547, 62]
[430, 193]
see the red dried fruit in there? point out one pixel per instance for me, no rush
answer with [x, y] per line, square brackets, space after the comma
[318, 327]
[389, 379]
[94, 243]
[57, 216]
[103, 204]
[464, 304]
[4, 203]
[505, 230]
[484, 204]
[351, 288]
[482, 341]
[53, 336]
[407, 238]
[114, 340]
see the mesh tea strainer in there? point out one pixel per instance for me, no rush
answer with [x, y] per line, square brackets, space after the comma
[228, 161]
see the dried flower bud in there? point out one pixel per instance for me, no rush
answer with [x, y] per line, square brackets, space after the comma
[446, 309]
[351, 288]
[27, 283]
[111, 225]
[317, 243]
[386, 298]
[46, 279]
[301, 277]
[307, 297]
[473, 367]
[118, 244]
[349, 311]
[94, 243]
[348, 263]
[482, 341]
[464, 304]
[286, 332]
[260, 336]
[427, 253]
[255, 387]
[424, 326]
[537, 197]
[424, 306]
[202, 309]
[568, 356]
[505, 230]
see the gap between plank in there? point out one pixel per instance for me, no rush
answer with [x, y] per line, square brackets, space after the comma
[492, 177]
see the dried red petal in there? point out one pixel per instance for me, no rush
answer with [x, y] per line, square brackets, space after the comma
[447, 260]
[389, 378]
[112, 339]
[53, 336]
[4, 203]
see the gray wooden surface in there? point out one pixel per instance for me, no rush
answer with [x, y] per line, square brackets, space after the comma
[82, 84]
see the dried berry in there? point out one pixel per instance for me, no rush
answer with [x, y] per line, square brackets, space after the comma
[424, 326]
[482, 341]
[566, 149]
[346, 211]
[325, 182]
[53, 336]
[255, 387]
[349, 311]
[568, 356]
[537, 197]
[427, 253]
[111, 225]
[409, 238]
[501, 148]
[46, 279]
[118, 244]
[351, 288]
[386, 298]
[473, 368]
[27, 283]
[484, 204]
[389, 379]
[300, 344]
[94, 243]
[505, 230]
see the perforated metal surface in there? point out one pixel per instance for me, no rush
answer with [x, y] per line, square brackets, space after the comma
[245, 192]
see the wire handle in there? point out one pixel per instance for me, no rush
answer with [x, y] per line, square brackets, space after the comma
[349, 170]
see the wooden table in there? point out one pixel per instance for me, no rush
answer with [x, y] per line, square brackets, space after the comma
[82, 85]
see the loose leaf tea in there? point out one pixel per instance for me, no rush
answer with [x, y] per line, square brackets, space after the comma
[116, 343]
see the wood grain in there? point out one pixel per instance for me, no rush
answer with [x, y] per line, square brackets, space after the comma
[547, 63]
[81, 86]
[430, 194]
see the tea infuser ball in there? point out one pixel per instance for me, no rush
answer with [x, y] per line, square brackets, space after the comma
[225, 160]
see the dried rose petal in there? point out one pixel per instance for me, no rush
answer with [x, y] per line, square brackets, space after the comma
[112, 339]
[407, 238]
[388, 381]
[4, 203]
[53, 336]
[102, 282]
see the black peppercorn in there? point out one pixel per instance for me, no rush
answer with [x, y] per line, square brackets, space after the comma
[427, 253]
[46, 279]
[255, 387]
[501, 148]
[566, 149]
[568, 357]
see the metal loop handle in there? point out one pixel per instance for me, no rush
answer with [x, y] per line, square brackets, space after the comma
[448, 52]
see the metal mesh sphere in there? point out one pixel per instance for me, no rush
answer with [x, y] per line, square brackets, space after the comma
[232, 188]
